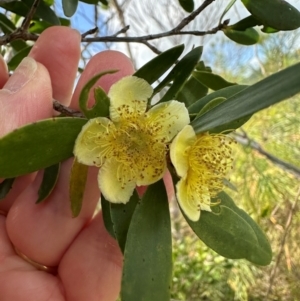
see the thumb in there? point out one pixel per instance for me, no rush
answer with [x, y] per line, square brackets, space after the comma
[26, 96]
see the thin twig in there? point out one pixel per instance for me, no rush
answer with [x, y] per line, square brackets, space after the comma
[26, 36]
[28, 18]
[153, 48]
[57, 106]
[89, 32]
[286, 229]
[123, 30]
[246, 141]
[193, 15]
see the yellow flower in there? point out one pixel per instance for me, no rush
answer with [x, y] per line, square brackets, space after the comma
[201, 161]
[131, 146]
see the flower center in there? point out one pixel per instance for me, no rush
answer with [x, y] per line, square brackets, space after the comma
[210, 159]
[132, 143]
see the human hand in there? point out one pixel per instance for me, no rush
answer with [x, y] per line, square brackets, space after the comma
[85, 261]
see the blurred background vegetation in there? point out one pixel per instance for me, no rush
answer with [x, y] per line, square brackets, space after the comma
[266, 169]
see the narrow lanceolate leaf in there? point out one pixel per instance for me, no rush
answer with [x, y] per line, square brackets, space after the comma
[147, 269]
[179, 74]
[78, 179]
[277, 14]
[69, 7]
[212, 81]
[191, 91]
[232, 233]
[154, 69]
[271, 90]
[106, 214]
[5, 187]
[121, 215]
[97, 109]
[50, 177]
[227, 8]
[38, 145]
[195, 108]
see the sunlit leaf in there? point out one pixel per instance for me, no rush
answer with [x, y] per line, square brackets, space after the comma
[38, 145]
[147, 269]
[195, 108]
[273, 89]
[232, 233]
[50, 178]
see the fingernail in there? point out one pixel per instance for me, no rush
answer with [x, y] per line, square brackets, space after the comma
[22, 75]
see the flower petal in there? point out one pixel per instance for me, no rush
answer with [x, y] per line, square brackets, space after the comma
[179, 150]
[189, 207]
[87, 148]
[128, 95]
[152, 165]
[169, 118]
[115, 190]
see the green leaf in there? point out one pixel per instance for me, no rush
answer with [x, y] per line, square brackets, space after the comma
[226, 93]
[16, 59]
[227, 8]
[121, 215]
[213, 103]
[5, 187]
[212, 81]
[22, 8]
[106, 208]
[155, 68]
[232, 233]
[228, 127]
[104, 102]
[49, 181]
[44, 12]
[8, 27]
[38, 26]
[147, 269]
[268, 29]
[38, 145]
[278, 14]
[69, 7]
[97, 109]
[180, 73]
[191, 91]
[247, 37]
[77, 183]
[187, 5]
[271, 90]
[245, 23]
